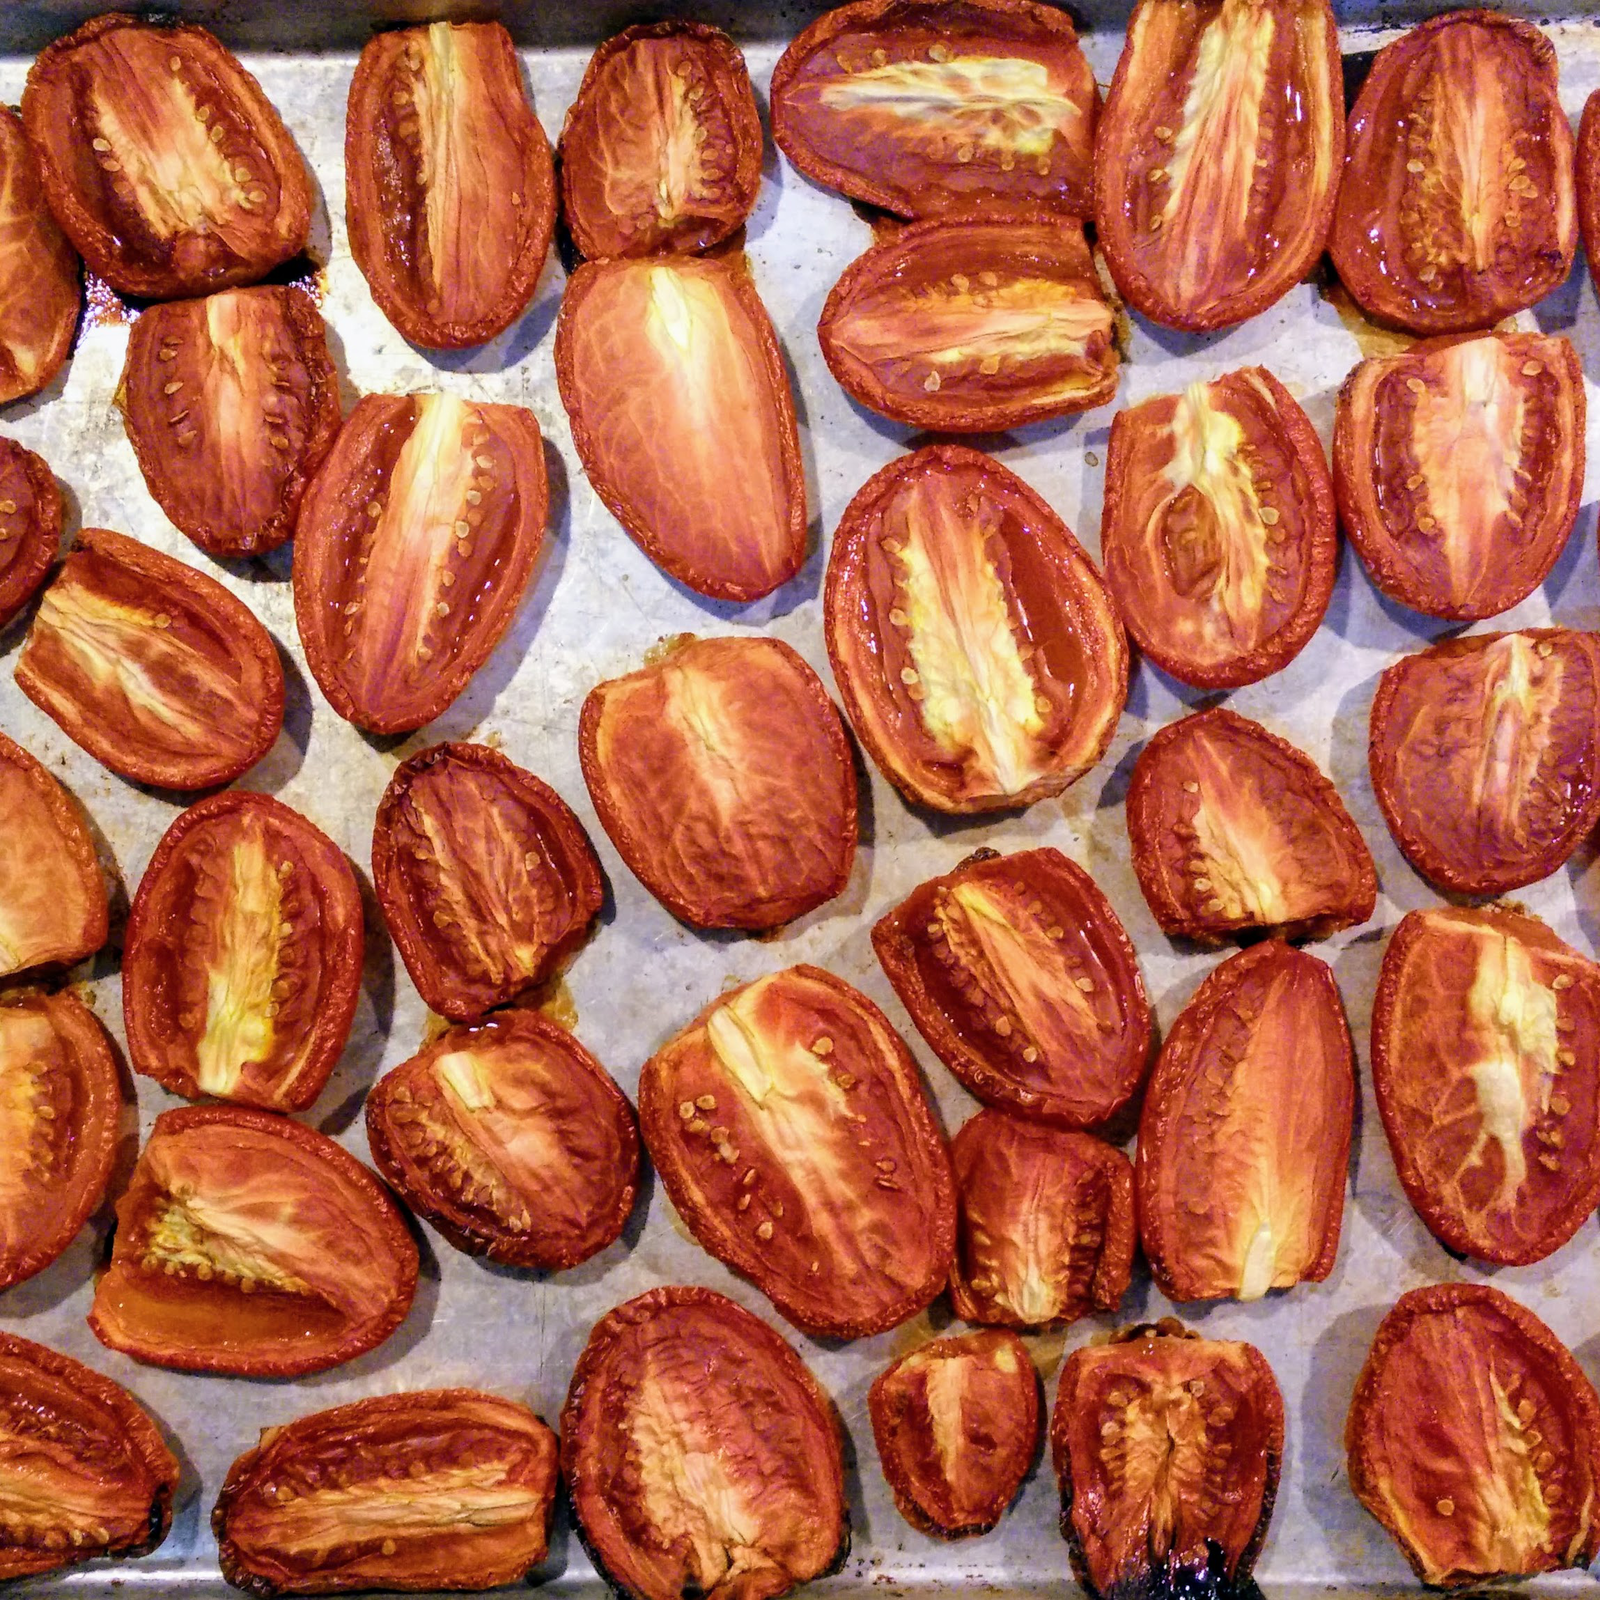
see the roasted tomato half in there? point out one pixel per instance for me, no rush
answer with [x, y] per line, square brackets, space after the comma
[1047, 1223]
[1458, 467]
[1235, 830]
[1456, 207]
[1168, 1447]
[723, 776]
[437, 1489]
[162, 160]
[30, 516]
[1486, 1063]
[977, 651]
[242, 963]
[511, 1139]
[791, 1130]
[414, 545]
[84, 1471]
[450, 189]
[40, 292]
[1588, 182]
[248, 1244]
[1218, 533]
[956, 1424]
[681, 414]
[701, 1456]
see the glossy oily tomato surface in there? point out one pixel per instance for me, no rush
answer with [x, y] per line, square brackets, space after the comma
[1218, 157]
[40, 292]
[487, 880]
[162, 160]
[1218, 531]
[1486, 1063]
[434, 1489]
[791, 1129]
[681, 414]
[722, 773]
[414, 544]
[977, 651]
[30, 526]
[1456, 206]
[1458, 467]
[154, 668]
[248, 1244]
[1588, 180]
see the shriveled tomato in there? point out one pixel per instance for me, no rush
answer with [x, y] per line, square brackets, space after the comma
[450, 189]
[40, 291]
[436, 1489]
[1588, 181]
[1458, 466]
[85, 1472]
[1486, 1063]
[30, 515]
[511, 1139]
[246, 1243]
[162, 160]
[1456, 206]
[723, 776]
[790, 1127]
[956, 1424]
[1218, 533]
[414, 544]
[1233, 830]
[1168, 1448]
[680, 408]
[701, 1456]
[978, 654]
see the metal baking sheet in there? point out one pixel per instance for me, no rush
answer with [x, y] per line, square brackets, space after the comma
[593, 608]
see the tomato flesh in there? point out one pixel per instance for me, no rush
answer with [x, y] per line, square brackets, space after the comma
[1587, 175]
[30, 525]
[40, 292]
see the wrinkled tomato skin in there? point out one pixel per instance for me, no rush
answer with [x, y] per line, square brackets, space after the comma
[403, 122]
[30, 530]
[1411, 247]
[153, 668]
[444, 1129]
[1215, 784]
[1588, 180]
[722, 774]
[340, 1281]
[164, 98]
[1442, 1448]
[849, 1229]
[717, 1386]
[420, 1456]
[1223, 577]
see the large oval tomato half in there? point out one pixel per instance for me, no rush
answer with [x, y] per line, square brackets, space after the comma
[30, 521]
[40, 292]
[1456, 206]
[1588, 181]
[414, 544]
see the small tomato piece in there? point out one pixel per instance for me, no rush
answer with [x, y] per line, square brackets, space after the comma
[1587, 177]
[40, 291]
[30, 520]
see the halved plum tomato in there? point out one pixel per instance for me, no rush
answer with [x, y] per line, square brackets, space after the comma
[975, 325]
[248, 1244]
[1245, 1133]
[242, 963]
[1456, 205]
[414, 544]
[1168, 1448]
[511, 1139]
[85, 1472]
[1588, 182]
[1235, 830]
[662, 147]
[1458, 466]
[701, 1455]
[30, 523]
[435, 1489]
[1218, 534]
[929, 107]
[1047, 1223]
[231, 403]
[722, 773]
[1485, 756]
[154, 668]
[451, 191]
[956, 1424]
[162, 160]
[791, 1129]
[680, 408]
[40, 291]
[977, 651]
[1486, 1064]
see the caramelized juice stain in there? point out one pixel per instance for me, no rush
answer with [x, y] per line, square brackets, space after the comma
[1369, 337]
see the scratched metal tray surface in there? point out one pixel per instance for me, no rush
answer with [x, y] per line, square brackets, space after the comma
[593, 608]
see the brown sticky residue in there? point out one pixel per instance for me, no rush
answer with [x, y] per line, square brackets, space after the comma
[1369, 337]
